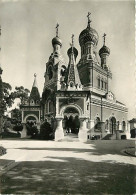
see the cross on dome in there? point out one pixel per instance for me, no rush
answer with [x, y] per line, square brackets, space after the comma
[88, 16]
[57, 27]
[104, 38]
[72, 39]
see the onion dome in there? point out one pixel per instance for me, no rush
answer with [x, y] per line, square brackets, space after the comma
[88, 34]
[74, 50]
[56, 40]
[104, 49]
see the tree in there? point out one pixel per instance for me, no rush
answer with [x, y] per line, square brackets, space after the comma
[16, 114]
[22, 93]
[8, 96]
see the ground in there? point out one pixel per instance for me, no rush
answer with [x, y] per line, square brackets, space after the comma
[48, 167]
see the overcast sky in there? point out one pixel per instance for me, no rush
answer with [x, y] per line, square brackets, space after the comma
[28, 27]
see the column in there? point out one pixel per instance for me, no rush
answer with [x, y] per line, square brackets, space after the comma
[24, 131]
[59, 134]
[83, 130]
[120, 126]
[128, 130]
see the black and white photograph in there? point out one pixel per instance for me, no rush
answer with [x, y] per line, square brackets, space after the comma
[67, 97]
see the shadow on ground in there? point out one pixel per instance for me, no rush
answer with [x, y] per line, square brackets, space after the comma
[70, 176]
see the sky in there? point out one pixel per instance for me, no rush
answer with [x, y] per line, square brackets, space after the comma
[28, 27]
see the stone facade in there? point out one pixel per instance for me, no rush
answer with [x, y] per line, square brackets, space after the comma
[82, 89]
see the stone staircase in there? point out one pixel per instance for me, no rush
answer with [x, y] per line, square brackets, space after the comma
[107, 137]
[70, 137]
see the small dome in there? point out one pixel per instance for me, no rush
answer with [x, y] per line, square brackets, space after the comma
[56, 40]
[74, 50]
[88, 34]
[104, 50]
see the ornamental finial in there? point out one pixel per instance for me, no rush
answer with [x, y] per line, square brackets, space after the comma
[57, 27]
[0, 30]
[72, 40]
[89, 21]
[104, 38]
[35, 75]
[72, 45]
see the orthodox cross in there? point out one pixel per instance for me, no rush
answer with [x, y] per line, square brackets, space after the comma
[72, 40]
[57, 26]
[104, 38]
[88, 16]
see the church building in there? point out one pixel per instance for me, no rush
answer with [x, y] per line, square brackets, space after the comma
[79, 90]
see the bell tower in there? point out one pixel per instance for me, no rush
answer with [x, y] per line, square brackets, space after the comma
[55, 67]
[94, 75]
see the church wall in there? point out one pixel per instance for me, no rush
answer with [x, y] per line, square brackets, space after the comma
[120, 116]
[95, 80]
[107, 113]
[95, 111]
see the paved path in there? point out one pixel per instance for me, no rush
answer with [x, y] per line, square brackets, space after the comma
[47, 167]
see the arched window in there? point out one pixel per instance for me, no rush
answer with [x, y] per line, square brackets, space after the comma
[102, 84]
[97, 124]
[50, 106]
[88, 106]
[71, 84]
[99, 82]
[123, 125]
[32, 101]
[113, 125]
[105, 85]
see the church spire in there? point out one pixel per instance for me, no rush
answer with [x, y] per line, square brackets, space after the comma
[72, 78]
[35, 95]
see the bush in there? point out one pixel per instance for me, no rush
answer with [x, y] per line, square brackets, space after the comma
[46, 132]
[2, 151]
[18, 127]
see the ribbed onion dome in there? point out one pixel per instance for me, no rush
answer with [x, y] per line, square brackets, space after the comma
[88, 34]
[56, 40]
[74, 50]
[104, 50]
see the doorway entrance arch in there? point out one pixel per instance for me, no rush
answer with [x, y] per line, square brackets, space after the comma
[112, 125]
[71, 121]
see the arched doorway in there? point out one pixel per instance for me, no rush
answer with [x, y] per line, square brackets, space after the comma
[112, 125]
[71, 121]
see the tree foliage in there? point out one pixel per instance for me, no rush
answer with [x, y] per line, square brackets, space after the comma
[9, 96]
[16, 114]
[21, 93]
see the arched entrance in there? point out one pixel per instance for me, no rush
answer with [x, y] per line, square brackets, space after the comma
[71, 121]
[112, 125]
